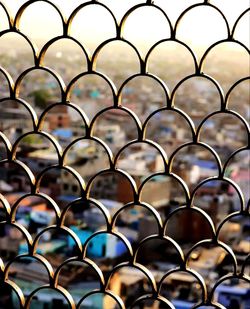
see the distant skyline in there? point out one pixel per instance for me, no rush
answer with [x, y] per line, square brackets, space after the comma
[144, 27]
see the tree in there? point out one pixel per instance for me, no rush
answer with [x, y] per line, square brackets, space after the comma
[41, 98]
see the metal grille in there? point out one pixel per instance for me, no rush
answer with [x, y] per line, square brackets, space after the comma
[156, 292]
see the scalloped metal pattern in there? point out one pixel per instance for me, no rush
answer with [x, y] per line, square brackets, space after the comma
[11, 150]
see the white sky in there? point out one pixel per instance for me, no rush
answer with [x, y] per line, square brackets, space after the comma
[201, 26]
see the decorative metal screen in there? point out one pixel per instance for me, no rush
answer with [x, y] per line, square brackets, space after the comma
[73, 195]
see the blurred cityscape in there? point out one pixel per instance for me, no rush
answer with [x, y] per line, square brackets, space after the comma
[197, 97]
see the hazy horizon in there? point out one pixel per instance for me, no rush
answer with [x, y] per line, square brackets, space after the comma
[199, 28]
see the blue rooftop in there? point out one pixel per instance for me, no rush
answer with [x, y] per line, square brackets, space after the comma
[63, 133]
[206, 164]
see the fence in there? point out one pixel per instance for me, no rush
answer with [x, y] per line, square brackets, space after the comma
[178, 175]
